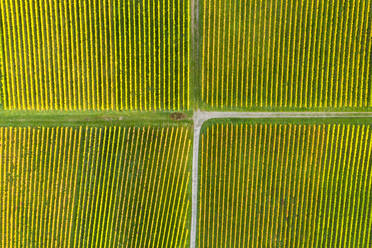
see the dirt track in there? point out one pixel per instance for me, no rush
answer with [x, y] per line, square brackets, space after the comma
[201, 116]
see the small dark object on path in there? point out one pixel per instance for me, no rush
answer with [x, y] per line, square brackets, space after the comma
[178, 116]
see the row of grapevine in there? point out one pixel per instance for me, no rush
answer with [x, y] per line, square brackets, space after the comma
[286, 54]
[95, 55]
[289, 185]
[1, 71]
[94, 186]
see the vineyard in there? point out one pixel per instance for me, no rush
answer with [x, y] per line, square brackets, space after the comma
[117, 123]
[293, 55]
[280, 183]
[95, 186]
[95, 55]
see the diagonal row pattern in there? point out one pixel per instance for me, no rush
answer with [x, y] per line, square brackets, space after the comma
[94, 186]
[290, 185]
